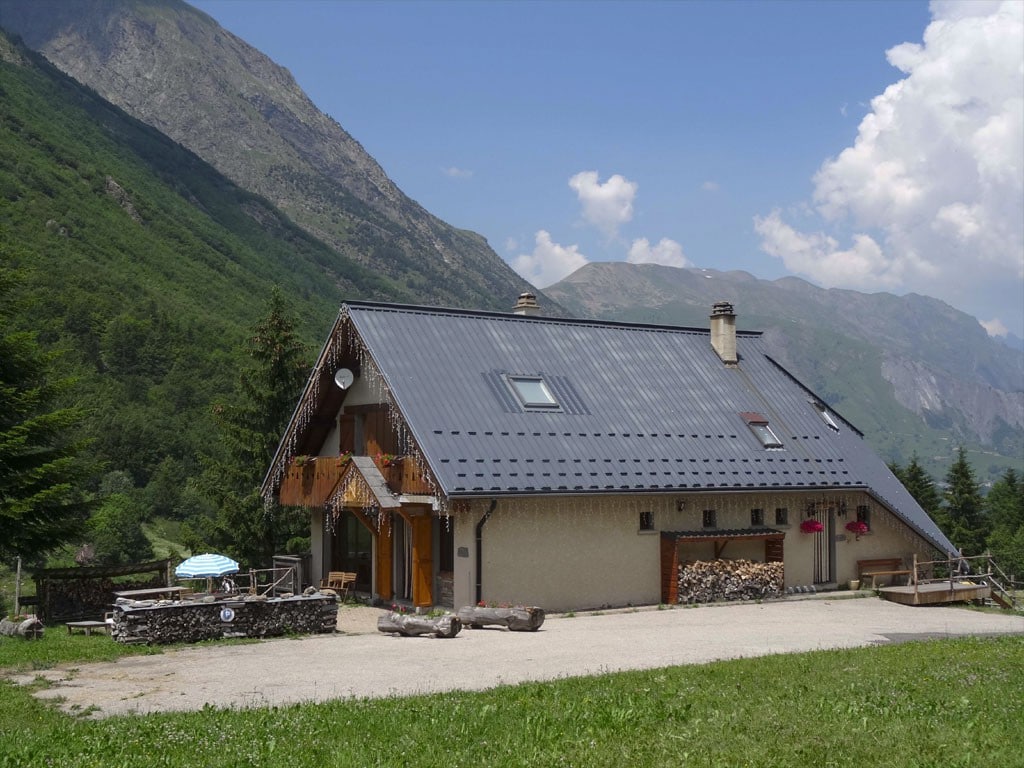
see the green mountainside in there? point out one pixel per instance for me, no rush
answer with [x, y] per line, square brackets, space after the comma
[146, 267]
[914, 374]
[173, 67]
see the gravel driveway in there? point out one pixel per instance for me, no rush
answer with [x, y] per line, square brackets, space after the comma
[361, 662]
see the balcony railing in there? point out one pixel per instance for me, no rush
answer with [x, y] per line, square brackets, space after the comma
[310, 480]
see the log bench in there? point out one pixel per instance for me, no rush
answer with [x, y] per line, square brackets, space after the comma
[879, 567]
[87, 626]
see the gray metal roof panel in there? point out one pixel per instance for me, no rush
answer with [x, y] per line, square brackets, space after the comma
[645, 408]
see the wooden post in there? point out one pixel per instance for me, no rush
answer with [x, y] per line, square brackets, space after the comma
[422, 562]
[913, 576]
[385, 538]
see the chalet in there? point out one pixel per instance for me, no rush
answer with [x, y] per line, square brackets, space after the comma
[450, 456]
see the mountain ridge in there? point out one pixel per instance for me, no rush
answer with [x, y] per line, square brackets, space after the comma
[914, 370]
[173, 67]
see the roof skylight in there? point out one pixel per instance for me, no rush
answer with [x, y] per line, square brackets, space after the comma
[759, 426]
[532, 392]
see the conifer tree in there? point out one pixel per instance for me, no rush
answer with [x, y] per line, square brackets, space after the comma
[968, 527]
[250, 427]
[921, 486]
[1005, 506]
[43, 472]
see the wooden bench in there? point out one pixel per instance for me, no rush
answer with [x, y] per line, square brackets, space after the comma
[339, 581]
[87, 626]
[879, 567]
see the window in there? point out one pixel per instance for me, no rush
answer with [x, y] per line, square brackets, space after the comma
[825, 415]
[864, 516]
[532, 392]
[646, 521]
[781, 516]
[759, 426]
[709, 518]
[756, 517]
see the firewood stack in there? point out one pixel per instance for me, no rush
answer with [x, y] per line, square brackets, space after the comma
[708, 581]
[162, 621]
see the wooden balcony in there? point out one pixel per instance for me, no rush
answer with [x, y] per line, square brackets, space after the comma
[310, 481]
[403, 475]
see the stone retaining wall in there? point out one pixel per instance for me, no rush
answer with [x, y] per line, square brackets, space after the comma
[161, 622]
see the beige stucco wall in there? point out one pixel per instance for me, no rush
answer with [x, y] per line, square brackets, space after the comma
[587, 552]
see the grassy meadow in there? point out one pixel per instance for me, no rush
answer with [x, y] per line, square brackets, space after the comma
[943, 703]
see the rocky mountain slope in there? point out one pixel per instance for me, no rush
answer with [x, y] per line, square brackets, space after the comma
[912, 372]
[175, 68]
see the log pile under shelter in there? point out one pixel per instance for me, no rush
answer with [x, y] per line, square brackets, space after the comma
[708, 581]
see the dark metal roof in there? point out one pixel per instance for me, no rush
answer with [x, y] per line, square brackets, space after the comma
[643, 409]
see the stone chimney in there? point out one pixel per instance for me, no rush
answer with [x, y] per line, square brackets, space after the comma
[723, 332]
[526, 305]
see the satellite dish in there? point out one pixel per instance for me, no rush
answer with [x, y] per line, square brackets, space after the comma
[343, 377]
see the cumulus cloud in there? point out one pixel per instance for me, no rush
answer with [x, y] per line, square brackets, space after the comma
[607, 206]
[666, 252]
[549, 262]
[710, 186]
[457, 173]
[994, 327]
[933, 187]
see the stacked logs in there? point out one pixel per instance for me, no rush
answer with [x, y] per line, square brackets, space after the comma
[706, 581]
[160, 622]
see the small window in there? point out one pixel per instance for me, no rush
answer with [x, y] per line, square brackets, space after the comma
[646, 521]
[759, 426]
[822, 410]
[781, 516]
[709, 518]
[532, 392]
[864, 516]
[756, 517]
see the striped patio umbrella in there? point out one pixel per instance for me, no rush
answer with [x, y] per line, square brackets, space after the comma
[206, 566]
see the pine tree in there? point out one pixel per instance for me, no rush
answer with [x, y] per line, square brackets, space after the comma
[968, 526]
[920, 485]
[43, 472]
[250, 427]
[1005, 506]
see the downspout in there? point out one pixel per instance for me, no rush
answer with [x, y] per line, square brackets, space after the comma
[480, 549]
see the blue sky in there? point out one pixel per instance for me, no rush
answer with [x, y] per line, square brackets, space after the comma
[866, 145]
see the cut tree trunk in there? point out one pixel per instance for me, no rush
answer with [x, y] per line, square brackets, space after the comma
[30, 628]
[519, 618]
[409, 625]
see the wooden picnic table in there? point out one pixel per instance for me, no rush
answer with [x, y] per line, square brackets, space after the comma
[87, 626]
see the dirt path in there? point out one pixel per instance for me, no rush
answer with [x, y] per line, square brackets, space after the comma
[360, 662]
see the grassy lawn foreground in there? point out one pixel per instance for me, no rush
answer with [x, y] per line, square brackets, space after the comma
[938, 703]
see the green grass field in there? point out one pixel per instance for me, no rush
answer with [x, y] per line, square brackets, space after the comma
[941, 703]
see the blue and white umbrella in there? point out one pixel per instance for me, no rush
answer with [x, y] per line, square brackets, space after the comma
[207, 566]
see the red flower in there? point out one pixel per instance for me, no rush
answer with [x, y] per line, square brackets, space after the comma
[811, 525]
[857, 527]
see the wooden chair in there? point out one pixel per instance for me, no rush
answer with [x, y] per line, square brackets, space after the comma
[339, 581]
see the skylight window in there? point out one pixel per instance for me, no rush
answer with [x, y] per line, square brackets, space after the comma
[533, 392]
[759, 426]
[825, 415]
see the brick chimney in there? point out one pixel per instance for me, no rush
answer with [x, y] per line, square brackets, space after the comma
[723, 332]
[526, 305]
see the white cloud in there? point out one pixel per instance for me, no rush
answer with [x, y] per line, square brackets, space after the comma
[666, 252]
[607, 206]
[994, 327]
[933, 186]
[549, 262]
[710, 186]
[457, 173]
